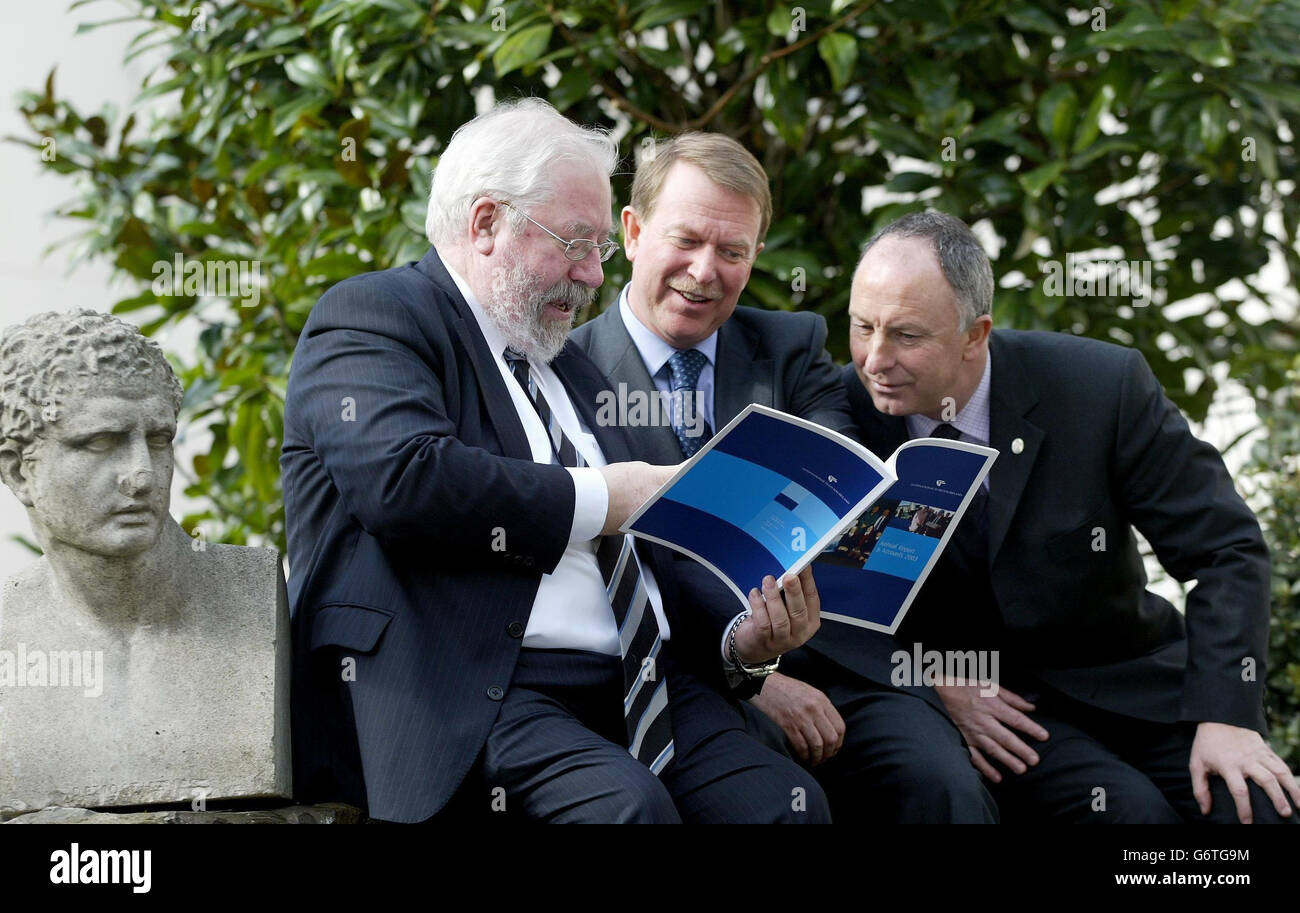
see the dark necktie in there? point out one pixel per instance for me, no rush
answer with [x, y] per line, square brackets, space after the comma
[645, 690]
[561, 447]
[686, 365]
[971, 538]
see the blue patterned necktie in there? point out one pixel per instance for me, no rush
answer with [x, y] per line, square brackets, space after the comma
[686, 365]
[645, 690]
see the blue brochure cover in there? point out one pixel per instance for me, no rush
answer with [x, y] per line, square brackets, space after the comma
[771, 493]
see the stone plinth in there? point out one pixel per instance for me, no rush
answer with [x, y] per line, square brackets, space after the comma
[187, 699]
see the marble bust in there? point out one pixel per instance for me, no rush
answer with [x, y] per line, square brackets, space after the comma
[138, 666]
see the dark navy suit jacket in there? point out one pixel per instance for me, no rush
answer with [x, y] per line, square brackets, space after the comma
[1102, 449]
[419, 529]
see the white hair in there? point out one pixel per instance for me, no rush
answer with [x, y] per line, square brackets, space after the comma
[510, 153]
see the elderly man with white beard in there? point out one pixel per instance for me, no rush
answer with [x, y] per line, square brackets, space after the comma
[471, 631]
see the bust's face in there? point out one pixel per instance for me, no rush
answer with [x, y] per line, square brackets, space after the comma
[100, 477]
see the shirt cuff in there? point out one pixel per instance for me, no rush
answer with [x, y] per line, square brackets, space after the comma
[590, 504]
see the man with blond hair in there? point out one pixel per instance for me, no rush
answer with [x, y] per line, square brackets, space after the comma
[699, 212]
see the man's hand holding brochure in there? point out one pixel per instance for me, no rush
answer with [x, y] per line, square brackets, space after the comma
[772, 493]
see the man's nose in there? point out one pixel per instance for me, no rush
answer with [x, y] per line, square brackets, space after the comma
[702, 267]
[880, 356]
[588, 270]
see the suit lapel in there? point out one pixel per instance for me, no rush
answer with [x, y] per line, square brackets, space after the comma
[738, 378]
[501, 408]
[618, 358]
[1011, 397]
[584, 385]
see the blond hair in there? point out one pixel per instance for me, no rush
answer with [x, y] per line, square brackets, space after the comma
[723, 160]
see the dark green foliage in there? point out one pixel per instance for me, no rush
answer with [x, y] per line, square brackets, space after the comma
[1017, 113]
[1275, 470]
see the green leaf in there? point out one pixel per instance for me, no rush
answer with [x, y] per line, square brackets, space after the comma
[522, 47]
[574, 85]
[840, 51]
[1026, 18]
[1090, 126]
[1038, 180]
[1288, 95]
[898, 138]
[260, 54]
[308, 72]
[664, 13]
[910, 182]
[781, 21]
[997, 127]
[1138, 30]
[287, 116]
[1213, 52]
[1214, 124]
[1056, 112]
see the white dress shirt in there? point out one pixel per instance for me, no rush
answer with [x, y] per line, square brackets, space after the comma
[655, 353]
[571, 610]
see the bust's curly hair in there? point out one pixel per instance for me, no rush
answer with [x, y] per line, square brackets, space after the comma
[53, 356]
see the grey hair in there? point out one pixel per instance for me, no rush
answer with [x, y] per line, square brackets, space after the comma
[962, 259]
[509, 153]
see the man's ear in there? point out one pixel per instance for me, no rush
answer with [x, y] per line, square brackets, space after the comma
[631, 231]
[482, 225]
[11, 472]
[977, 336]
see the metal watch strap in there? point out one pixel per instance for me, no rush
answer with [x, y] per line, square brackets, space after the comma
[755, 670]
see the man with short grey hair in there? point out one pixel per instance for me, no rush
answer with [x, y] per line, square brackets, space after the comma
[1131, 712]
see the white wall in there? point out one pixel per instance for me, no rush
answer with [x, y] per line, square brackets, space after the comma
[35, 36]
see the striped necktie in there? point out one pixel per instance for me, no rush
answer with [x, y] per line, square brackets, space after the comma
[561, 447]
[685, 366]
[645, 690]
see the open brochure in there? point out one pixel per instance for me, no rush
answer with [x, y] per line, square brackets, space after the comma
[771, 493]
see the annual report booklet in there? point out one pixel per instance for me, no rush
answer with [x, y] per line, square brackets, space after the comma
[772, 493]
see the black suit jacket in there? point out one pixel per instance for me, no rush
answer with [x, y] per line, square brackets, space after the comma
[419, 529]
[1103, 451]
[777, 359]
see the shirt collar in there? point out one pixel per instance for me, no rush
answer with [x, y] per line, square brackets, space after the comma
[972, 420]
[654, 351]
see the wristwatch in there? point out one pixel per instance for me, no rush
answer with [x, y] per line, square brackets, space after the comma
[749, 670]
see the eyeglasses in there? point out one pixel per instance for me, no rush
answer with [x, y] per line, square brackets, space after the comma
[576, 249]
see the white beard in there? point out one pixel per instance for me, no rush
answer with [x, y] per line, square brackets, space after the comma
[516, 305]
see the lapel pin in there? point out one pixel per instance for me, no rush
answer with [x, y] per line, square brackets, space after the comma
[1018, 445]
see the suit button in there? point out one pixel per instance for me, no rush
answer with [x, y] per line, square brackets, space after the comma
[495, 693]
[515, 630]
